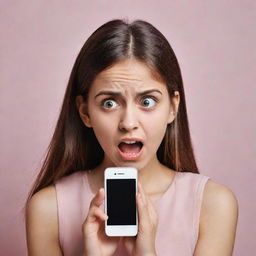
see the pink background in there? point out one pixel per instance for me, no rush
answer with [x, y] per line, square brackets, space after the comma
[215, 44]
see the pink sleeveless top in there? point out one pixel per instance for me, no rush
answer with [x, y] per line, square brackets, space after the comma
[178, 213]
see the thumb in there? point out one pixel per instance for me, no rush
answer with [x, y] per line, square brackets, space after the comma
[128, 243]
[98, 198]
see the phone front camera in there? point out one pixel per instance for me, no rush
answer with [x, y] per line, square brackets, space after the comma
[115, 173]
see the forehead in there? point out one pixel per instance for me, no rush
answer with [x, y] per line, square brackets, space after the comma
[129, 73]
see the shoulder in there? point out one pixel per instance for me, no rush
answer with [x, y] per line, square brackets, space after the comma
[45, 195]
[42, 221]
[218, 197]
[44, 203]
[218, 220]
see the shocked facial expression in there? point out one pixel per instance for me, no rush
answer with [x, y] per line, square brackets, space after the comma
[129, 110]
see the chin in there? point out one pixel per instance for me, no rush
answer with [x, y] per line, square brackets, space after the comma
[136, 164]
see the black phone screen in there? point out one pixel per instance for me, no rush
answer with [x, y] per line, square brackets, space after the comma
[121, 201]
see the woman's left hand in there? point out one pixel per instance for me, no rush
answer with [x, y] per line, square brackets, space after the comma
[144, 242]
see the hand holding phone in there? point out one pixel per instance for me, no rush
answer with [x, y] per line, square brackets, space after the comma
[144, 244]
[95, 240]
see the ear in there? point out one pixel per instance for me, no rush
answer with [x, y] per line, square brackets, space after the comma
[173, 112]
[83, 110]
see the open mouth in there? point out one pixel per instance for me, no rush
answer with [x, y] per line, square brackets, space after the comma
[132, 147]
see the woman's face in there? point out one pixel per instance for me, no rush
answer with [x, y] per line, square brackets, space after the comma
[126, 104]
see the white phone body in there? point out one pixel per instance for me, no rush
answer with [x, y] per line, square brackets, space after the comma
[120, 185]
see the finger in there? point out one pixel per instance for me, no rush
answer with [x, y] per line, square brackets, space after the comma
[150, 206]
[142, 211]
[128, 243]
[94, 213]
[152, 213]
[98, 198]
[142, 193]
[151, 210]
[145, 198]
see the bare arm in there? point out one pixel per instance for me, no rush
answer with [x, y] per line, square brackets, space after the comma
[42, 224]
[218, 221]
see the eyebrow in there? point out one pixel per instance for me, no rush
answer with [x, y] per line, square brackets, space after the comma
[118, 93]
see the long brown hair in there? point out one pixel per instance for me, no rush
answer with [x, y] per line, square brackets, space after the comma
[73, 146]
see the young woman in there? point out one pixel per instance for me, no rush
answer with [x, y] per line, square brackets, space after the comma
[125, 86]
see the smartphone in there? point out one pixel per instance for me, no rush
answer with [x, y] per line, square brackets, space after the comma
[120, 185]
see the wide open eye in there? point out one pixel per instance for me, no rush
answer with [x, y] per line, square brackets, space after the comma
[148, 102]
[109, 103]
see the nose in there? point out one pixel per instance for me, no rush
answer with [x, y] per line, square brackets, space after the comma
[128, 120]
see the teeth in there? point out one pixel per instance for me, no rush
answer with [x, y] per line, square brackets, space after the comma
[129, 142]
[131, 154]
